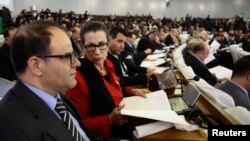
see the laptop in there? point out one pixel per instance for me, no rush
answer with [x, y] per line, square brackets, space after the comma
[186, 101]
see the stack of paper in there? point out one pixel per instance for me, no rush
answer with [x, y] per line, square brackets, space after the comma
[151, 128]
[221, 72]
[160, 69]
[150, 64]
[158, 51]
[155, 56]
[156, 106]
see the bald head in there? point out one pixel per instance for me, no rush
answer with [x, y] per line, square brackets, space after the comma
[198, 48]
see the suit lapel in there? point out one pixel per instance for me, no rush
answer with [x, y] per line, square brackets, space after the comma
[46, 118]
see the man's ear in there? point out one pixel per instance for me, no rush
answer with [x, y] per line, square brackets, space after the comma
[35, 65]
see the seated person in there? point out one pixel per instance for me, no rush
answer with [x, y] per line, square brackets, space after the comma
[42, 55]
[196, 51]
[246, 42]
[98, 92]
[129, 53]
[6, 68]
[239, 85]
[148, 44]
[130, 74]
[75, 41]
[173, 38]
[222, 57]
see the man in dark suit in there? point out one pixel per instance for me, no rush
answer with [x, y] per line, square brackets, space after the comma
[6, 68]
[45, 65]
[147, 44]
[197, 51]
[172, 38]
[75, 40]
[130, 75]
[129, 54]
[239, 85]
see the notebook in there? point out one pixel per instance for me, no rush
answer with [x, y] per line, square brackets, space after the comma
[186, 101]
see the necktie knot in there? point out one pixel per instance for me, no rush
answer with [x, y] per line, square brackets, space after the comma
[60, 107]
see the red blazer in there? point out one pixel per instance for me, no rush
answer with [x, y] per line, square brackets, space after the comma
[80, 95]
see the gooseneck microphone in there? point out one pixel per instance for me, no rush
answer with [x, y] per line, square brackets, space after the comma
[195, 78]
[183, 82]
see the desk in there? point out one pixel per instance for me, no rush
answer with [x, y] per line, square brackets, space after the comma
[208, 107]
[174, 135]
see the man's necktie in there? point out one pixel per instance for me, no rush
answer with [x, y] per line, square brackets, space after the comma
[64, 113]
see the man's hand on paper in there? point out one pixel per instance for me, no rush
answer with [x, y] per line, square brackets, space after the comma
[116, 118]
[140, 92]
[148, 51]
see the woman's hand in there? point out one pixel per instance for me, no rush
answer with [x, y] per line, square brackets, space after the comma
[140, 92]
[116, 118]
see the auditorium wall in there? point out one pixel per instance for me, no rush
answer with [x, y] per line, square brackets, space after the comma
[157, 8]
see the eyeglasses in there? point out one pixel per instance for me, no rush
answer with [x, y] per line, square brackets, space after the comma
[71, 57]
[92, 47]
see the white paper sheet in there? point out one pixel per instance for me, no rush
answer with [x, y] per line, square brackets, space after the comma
[155, 56]
[156, 106]
[214, 46]
[221, 72]
[209, 58]
[158, 51]
[160, 69]
[150, 64]
[155, 127]
[151, 128]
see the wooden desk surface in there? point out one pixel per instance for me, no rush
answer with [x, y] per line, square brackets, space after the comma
[174, 135]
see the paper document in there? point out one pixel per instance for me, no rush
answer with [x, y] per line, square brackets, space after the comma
[151, 128]
[221, 72]
[156, 106]
[160, 69]
[209, 58]
[214, 46]
[166, 47]
[156, 56]
[158, 51]
[150, 64]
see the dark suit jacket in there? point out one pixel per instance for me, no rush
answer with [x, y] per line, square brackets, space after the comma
[144, 44]
[169, 40]
[6, 68]
[130, 50]
[25, 117]
[77, 50]
[240, 97]
[128, 80]
[199, 68]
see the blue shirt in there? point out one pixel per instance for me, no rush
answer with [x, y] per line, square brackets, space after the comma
[51, 101]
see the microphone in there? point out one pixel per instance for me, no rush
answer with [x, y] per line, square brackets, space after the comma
[184, 82]
[195, 78]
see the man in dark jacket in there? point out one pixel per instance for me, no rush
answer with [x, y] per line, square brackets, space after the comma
[6, 69]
